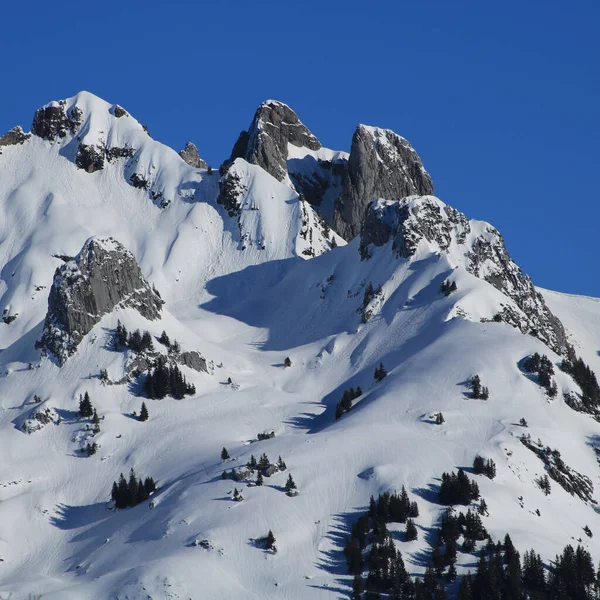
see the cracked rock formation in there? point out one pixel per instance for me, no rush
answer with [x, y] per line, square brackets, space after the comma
[102, 277]
[381, 165]
[191, 156]
[265, 144]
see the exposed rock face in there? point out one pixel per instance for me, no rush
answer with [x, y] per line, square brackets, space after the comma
[90, 158]
[52, 121]
[101, 277]
[119, 111]
[193, 360]
[381, 165]
[14, 137]
[191, 156]
[410, 221]
[265, 144]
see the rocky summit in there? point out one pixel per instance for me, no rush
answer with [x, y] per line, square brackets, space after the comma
[299, 376]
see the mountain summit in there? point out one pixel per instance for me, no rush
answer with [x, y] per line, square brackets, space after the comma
[300, 376]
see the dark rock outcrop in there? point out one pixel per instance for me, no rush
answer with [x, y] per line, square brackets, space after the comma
[119, 111]
[103, 276]
[193, 360]
[191, 156]
[90, 158]
[407, 222]
[381, 165]
[137, 180]
[14, 137]
[52, 121]
[265, 144]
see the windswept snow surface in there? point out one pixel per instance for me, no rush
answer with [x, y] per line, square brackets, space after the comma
[246, 310]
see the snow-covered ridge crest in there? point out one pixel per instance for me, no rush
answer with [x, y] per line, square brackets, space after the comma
[94, 134]
[101, 277]
[424, 224]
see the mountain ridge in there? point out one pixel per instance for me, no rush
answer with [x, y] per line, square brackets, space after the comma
[279, 316]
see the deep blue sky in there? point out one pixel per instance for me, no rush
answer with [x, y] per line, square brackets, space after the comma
[500, 99]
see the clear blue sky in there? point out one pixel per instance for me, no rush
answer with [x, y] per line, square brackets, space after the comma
[500, 99]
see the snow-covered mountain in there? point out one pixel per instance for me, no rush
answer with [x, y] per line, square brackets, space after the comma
[287, 276]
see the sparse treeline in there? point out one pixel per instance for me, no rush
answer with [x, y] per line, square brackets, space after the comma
[136, 341]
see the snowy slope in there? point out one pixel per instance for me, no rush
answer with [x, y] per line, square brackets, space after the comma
[240, 290]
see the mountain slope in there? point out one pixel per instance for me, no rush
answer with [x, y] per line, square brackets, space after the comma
[250, 274]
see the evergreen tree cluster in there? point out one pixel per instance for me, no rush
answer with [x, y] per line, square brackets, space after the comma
[457, 488]
[263, 464]
[171, 346]
[478, 391]
[500, 575]
[167, 380]
[91, 449]
[447, 288]
[380, 373]
[393, 508]
[586, 379]
[484, 467]
[439, 418]
[543, 367]
[453, 526]
[127, 493]
[136, 341]
[345, 404]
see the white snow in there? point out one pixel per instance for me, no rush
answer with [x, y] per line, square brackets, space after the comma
[245, 311]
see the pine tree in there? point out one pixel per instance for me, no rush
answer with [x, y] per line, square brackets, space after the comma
[85, 406]
[252, 462]
[411, 531]
[144, 412]
[224, 475]
[380, 373]
[149, 485]
[263, 462]
[146, 342]
[224, 454]
[270, 541]
[96, 422]
[476, 387]
[544, 484]
[259, 479]
[439, 418]
[281, 464]
[287, 362]
[483, 508]
[358, 587]
[164, 339]
[290, 485]
[115, 492]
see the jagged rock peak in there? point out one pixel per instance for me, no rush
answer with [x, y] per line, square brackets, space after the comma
[191, 156]
[265, 144]
[382, 164]
[475, 245]
[103, 276]
[14, 137]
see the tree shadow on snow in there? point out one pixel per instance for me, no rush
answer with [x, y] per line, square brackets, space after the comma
[333, 561]
[429, 493]
[69, 517]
